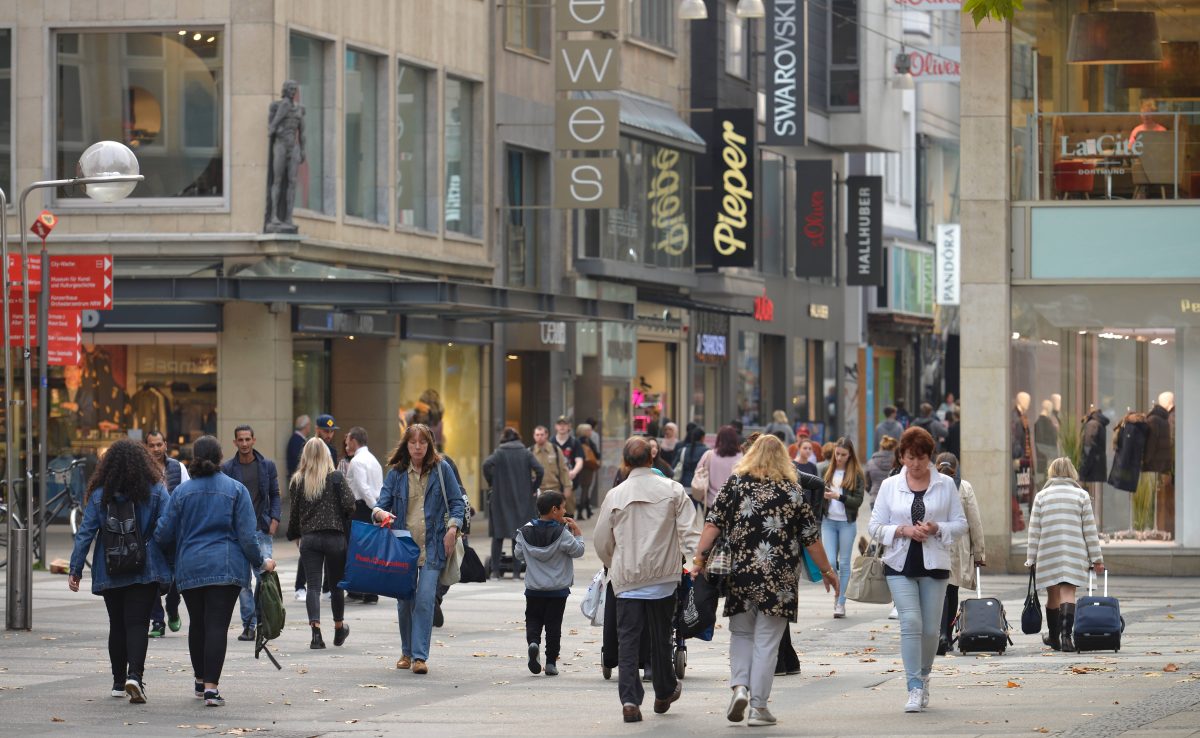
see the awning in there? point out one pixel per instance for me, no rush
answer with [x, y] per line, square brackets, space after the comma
[687, 303]
[653, 120]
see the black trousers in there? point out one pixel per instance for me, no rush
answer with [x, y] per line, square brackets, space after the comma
[949, 610]
[323, 552]
[609, 644]
[210, 610]
[545, 612]
[497, 552]
[173, 598]
[787, 661]
[128, 612]
[655, 618]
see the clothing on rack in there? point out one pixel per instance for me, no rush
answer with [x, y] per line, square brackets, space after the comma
[1093, 464]
[1129, 446]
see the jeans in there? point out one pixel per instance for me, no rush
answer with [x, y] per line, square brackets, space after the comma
[415, 616]
[838, 538]
[209, 611]
[128, 611]
[753, 651]
[652, 619]
[919, 602]
[156, 611]
[323, 552]
[545, 612]
[247, 596]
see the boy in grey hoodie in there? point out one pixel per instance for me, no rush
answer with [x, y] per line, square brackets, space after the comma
[547, 544]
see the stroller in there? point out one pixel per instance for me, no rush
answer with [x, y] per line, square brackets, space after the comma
[608, 651]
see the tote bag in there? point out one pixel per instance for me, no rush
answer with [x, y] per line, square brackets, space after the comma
[472, 568]
[867, 581]
[592, 605]
[1031, 614]
[452, 571]
[381, 561]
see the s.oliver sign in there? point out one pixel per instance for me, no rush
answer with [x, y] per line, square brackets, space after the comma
[929, 4]
[936, 64]
[814, 213]
[786, 75]
[725, 201]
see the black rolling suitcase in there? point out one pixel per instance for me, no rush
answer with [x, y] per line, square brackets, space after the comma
[981, 624]
[508, 565]
[1098, 622]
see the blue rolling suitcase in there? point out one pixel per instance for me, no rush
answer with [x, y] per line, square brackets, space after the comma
[1098, 621]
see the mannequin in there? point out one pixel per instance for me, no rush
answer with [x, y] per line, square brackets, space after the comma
[1045, 437]
[1129, 446]
[1057, 400]
[1023, 458]
[1093, 452]
[1160, 458]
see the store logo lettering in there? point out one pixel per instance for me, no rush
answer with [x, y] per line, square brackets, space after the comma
[814, 222]
[1107, 143]
[737, 191]
[553, 333]
[1188, 306]
[710, 345]
[666, 205]
[784, 94]
[864, 231]
[764, 309]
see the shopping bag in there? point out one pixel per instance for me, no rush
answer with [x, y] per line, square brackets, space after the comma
[867, 580]
[698, 616]
[472, 568]
[1031, 614]
[809, 568]
[593, 600]
[381, 561]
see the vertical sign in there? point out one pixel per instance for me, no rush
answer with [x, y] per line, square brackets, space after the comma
[725, 197]
[864, 241]
[949, 264]
[787, 88]
[814, 218]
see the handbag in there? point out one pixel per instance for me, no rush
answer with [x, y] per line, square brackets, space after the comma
[592, 605]
[472, 568]
[700, 479]
[867, 580]
[809, 567]
[698, 616]
[1031, 614]
[452, 571]
[381, 561]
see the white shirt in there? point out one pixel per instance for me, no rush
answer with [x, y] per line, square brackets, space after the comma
[365, 476]
[837, 508]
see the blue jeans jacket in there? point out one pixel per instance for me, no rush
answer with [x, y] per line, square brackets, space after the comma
[394, 499]
[157, 569]
[209, 526]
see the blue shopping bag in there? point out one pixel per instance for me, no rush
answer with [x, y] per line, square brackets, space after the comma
[381, 561]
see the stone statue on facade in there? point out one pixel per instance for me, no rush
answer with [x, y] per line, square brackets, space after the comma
[286, 153]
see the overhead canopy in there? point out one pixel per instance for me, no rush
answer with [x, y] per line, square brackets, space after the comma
[653, 120]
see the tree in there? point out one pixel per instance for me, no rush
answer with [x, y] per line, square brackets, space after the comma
[1001, 10]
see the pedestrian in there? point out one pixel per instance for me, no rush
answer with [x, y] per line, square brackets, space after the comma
[844, 487]
[364, 474]
[554, 464]
[690, 456]
[126, 486]
[644, 532]
[258, 474]
[902, 416]
[213, 531]
[879, 466]
[967, 552]
[720, 460]
[804, 457]
[439, 618]
[669, 444]
[295, 444]
[173, 474]
[764, 520]
[929, 422]
[588, 476]
[889, 426]
[1063, 545]
[420, 495]
[813, 488]
[826, 458]
[327, 428]
[547, 544]
[917, 516]
[321, 506]
[953, 442]
[779, 424]
[659, 464]
[515, 477]
[574, 454]
[948, 406]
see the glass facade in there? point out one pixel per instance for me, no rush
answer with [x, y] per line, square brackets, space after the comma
[523, 232]
[308, 67]
[749, 379]
[416, 140]
[363, 151]
[737, 42]
[773, 215]
[464, 188]
[527, 28]
[843, 55]
[654, 21]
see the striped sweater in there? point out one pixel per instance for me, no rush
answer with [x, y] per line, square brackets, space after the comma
[1063, 542]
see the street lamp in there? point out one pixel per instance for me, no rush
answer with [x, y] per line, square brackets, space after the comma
[693, 10]
[750, 9]
[109, 171]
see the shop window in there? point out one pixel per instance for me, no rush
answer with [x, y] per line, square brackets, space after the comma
[416, 147]
[365, 119]
[464, 187]
[910, 279]
[160, 93]
[527, 27]
[654, 21]
[843, 55]
[800, 364]
[749, 379]
[311, 378]
[311, 68]
[523, 251]
[773, 215]
[737, 42]
[6, 91]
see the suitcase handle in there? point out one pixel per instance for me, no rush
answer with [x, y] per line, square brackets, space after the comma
[978, 584]
[1090, 574]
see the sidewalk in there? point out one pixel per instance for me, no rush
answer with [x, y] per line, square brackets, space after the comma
[478, 684]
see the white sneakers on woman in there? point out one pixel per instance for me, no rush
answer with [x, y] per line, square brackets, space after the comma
[737, 705]
[916, 700]
[759, 717]
[839, 610]
[925, 693]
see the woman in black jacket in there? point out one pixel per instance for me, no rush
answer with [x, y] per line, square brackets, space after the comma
[515, 477]
[322, 504]
[690, 456]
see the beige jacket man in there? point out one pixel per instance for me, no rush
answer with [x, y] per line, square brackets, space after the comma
[645, 531]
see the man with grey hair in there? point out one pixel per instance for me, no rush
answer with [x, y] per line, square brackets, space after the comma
[295, 443]
[644, 533]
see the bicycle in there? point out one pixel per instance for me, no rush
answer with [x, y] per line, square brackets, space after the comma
[69, 473]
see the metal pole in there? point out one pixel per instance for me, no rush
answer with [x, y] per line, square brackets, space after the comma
[43, 328]
[27, 358]
[17, 614]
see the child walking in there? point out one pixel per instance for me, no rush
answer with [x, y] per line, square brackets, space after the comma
[546, 545]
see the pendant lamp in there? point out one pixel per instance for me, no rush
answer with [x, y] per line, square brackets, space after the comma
[1174, 76]
[750, 9]
[693, 10]
[1114, 37]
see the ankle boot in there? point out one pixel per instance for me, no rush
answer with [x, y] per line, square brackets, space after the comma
[1052, 624]
[317, 640]
[1067, 627]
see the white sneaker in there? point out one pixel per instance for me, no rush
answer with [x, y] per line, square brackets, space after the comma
[839, 610]
[915, 696]
[893, 615]
[760, 716]
[301, 595]
[737, 705]
[925, 693]
[326, 596]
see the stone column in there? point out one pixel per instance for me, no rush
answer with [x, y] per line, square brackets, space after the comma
[254, 378]
[366, 391]
[1187, 433]
[985, 317]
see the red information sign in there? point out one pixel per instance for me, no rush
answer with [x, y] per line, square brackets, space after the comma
[81, 282]
[35, 272]
[64, 342]
[64, 325]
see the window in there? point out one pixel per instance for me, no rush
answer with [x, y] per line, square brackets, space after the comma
[416, 140]
[911, 279]
[654, 21]
[309, 67]
[364, 192]
[772, 218]
[6, 110]
[162, 94]
[843, 54]
[522, 251]
[464, 188]
[737, 42]
[527, 27]
[749, 379]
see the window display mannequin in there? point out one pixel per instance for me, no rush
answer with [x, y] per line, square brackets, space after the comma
[1023, 456]
[1045, 438]
[1093, 451]
[1160, 458]
[1129, 446]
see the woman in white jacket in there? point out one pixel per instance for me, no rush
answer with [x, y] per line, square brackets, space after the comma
[917, 516]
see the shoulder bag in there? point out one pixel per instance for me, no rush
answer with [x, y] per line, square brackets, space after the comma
[1031, 614]
[720, 559]
[867, 580]
[700, 478]
[452, 571]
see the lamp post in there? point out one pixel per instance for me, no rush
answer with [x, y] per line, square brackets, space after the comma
[109, 171]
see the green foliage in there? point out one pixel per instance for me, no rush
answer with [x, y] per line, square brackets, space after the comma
[1000, 10]
[1070, 441]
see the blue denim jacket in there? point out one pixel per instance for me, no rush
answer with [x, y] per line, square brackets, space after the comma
[157, 569]
[208, 529]
[394, 499]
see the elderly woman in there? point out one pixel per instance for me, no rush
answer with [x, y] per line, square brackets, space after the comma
[1063, 544]
[917, 516]
[669, 444]
[763, 518]
[515, 475]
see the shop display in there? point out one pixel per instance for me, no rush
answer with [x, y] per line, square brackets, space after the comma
[1023, 458]
[1045, 439]
[1093, 449]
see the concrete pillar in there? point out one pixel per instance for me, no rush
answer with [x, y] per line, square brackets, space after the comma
[254, 359]
[366, 391]
[985, 316]
[1187, 435]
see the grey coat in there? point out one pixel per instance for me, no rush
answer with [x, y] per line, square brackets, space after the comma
[515, 477]
[547, 551]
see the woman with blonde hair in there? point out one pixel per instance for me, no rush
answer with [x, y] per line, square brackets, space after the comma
[1063, 545]
[322, 504]
[761, 514]
[844, 487]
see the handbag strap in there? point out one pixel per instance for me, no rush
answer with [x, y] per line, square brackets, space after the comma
[442, 486]
[1032, 584]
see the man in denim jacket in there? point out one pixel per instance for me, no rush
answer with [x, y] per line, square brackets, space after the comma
[260, 477]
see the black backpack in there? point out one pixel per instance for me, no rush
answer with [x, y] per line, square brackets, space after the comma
[124, 545]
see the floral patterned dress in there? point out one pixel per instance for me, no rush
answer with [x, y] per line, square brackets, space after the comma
[767, 524]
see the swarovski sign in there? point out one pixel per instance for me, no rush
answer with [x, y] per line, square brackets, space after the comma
[786, 73]
[949, 264]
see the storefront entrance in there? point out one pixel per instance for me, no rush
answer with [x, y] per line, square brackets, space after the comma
[527, 387]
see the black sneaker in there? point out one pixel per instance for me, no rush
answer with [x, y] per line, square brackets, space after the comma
[136, 690]
[341, 634]
[247, 634]
[534, 666]
[199, 688]
[213, 698]
[118, 689]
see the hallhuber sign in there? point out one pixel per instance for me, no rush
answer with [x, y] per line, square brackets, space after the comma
[864, 242]
[786, 76]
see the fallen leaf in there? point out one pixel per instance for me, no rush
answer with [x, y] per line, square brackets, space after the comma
[1170, 667]
[372, 686]
[352, 722]
[203, 727]
[57, 719]
[1170, 616]
[1152, 674]
[1012, 685]
[866, 661]
[1041, 730]
[183, 726]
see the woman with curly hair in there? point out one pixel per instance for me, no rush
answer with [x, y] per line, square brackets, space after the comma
[125, 486]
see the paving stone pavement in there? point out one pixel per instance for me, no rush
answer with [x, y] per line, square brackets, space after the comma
[54, 680]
